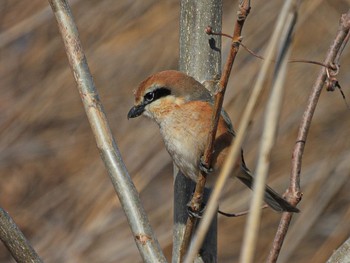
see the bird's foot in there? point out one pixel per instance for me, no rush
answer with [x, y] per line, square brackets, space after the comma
[194, 212]
[204, 167]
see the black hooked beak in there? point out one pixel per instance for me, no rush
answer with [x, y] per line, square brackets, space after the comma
[136, 111]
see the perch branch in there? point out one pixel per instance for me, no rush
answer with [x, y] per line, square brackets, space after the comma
[196, 201]
[234, 150]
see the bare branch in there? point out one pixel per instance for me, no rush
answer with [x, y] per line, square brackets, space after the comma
[342, 254]
[15, 241]
[244, 8]
[283, 32]
[293, 193]
[144, 237]
[200, 57]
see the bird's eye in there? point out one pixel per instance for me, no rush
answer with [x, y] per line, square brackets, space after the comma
[149, 96]
[155, 95]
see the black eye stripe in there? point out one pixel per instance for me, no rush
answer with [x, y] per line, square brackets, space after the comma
[156, 94]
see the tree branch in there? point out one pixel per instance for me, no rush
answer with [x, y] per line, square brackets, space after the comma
[195, 203]
[200, 57]
[144, 237]
[15, 241]
[285, 25]
[342, 254]
[293, 193]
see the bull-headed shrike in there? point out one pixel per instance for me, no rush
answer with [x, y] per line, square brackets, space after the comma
[182, 107]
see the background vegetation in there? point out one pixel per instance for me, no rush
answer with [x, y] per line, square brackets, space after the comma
[53, 182]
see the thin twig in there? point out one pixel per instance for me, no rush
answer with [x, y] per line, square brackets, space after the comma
[324, 189]
[293, 193]
[289, 61]
[144, 237]
[15, 241]
[211, 32]
[244, 8]
[309, 62]
[231, 157]
[283, 34]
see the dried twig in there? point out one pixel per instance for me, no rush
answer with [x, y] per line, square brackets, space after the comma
[211, 32]
[233, 152]
[145, 239]
[196, 202]
[15, 241]
[293, 193]
[283, 33]
[324, 190]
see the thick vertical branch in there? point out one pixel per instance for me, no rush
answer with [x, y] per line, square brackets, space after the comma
[293, 193]
[200, 57]
[200, 54]
[244, 8]
[15, 241]
[145, 239]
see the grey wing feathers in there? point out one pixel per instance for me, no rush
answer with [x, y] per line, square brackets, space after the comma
[228, 122]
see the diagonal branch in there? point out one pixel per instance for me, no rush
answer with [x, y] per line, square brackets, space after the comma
[196, 202]
[144, 237]
[15, 241]
[293, 193]
[236, 146]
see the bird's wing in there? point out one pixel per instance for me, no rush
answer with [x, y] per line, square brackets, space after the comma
[228, 122]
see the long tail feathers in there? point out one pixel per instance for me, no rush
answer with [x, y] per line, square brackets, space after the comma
[273, 199]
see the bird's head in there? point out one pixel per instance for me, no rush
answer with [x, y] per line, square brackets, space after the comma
[162, 92]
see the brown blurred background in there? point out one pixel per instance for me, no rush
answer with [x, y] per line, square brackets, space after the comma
[53, 182]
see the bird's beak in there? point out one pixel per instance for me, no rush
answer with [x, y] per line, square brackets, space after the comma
[136, 111]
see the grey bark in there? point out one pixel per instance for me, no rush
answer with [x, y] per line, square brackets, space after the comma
[15, 241]
[342, 254]
[200, 57]
[144, 237]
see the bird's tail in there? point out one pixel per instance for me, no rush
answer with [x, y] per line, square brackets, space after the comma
[273, 199]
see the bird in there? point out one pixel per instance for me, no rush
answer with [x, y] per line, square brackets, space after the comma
[182, 107]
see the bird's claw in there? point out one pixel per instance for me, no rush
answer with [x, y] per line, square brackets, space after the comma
[194, 213]
[204, 168]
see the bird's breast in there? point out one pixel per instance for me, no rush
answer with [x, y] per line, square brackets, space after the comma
[185, 131]
[185, 143]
